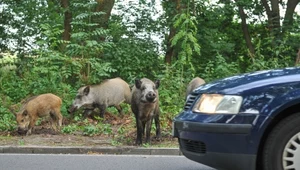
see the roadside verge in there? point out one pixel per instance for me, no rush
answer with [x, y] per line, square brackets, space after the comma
[89, 150]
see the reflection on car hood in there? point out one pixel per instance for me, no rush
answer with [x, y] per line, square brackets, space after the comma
[240, 83]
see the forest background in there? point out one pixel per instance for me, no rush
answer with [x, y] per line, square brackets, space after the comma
[57, 46]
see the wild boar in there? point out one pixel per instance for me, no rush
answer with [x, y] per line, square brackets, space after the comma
[110, 92]
[145, 106]
[196, 82]
[37, 107]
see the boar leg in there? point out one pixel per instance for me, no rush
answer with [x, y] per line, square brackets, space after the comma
[30, 126]
[87, 112]
[56, 119]
[119, 108]
[140, 129]
[59, 118]
[53, 125]
[53, 120]
[148, 130]
[28, 132]
[157, 125]
[102, 109]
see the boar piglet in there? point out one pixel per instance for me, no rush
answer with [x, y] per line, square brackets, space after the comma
[110, 92]
[145, 106]
[196, 82]
[37, 107]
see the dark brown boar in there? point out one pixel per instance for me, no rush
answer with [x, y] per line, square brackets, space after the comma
[145, 106]
[110, 92]
[37, 107]
[196, 82]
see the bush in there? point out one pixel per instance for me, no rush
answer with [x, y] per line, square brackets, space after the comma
[7, 120]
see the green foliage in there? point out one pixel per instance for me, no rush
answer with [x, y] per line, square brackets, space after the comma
[87, 128]
[7, 122]
[121, 130]
[106, 129]
[51, 35]
[21, 20]
[134, 32]
[261, 63]
[91, 130]
[220, 68]
[264, 61]
[12, 87]
[69, 129]
[87, 44]
[185, 39]
[171, 93]
[99, 69]
[21, 142]
[7, 119]
[134, 58]
[146, 145]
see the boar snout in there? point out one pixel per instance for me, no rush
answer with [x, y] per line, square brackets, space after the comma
[151, 97]
[72, 109]
[21, 131]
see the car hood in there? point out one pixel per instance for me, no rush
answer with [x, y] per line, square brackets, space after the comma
[244, 82]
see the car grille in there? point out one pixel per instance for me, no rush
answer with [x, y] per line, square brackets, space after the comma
[190, 101]
[193, 146]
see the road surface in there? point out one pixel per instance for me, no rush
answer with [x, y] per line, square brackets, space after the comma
[90, 162]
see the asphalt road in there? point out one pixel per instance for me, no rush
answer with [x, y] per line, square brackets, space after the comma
[90, 162]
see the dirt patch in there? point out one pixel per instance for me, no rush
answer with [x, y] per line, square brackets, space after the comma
[43, 135]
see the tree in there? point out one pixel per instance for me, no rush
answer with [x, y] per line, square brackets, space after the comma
[245, 28]
[273, 13]
[172, 8]
[288, 18]
[67, 22]
[181, 41]
[23, 20]
[105, 6]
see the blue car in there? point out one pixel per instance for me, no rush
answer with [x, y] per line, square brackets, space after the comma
[245, 122]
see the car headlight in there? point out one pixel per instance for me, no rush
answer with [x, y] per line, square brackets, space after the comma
[217, 103]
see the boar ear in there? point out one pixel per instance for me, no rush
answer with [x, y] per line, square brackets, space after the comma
[86, 90]
[157, 83]
[25, 113]
[138, 83]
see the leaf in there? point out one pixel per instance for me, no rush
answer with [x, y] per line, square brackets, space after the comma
[181, 17]
[82, 16]
[178, 36]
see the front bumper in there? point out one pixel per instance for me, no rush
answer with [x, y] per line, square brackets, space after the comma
[221, 146]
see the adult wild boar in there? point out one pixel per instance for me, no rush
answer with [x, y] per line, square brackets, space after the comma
[145, 106]
[36, 107]
[110, 92]
[196, 82]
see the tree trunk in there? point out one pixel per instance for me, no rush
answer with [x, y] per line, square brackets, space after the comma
[104, 6]
[288, 18]
[273, 16]
[170, 49]
[268, 11]
[298, 57]
[246, 31]
[67, 23]
[176, 7]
